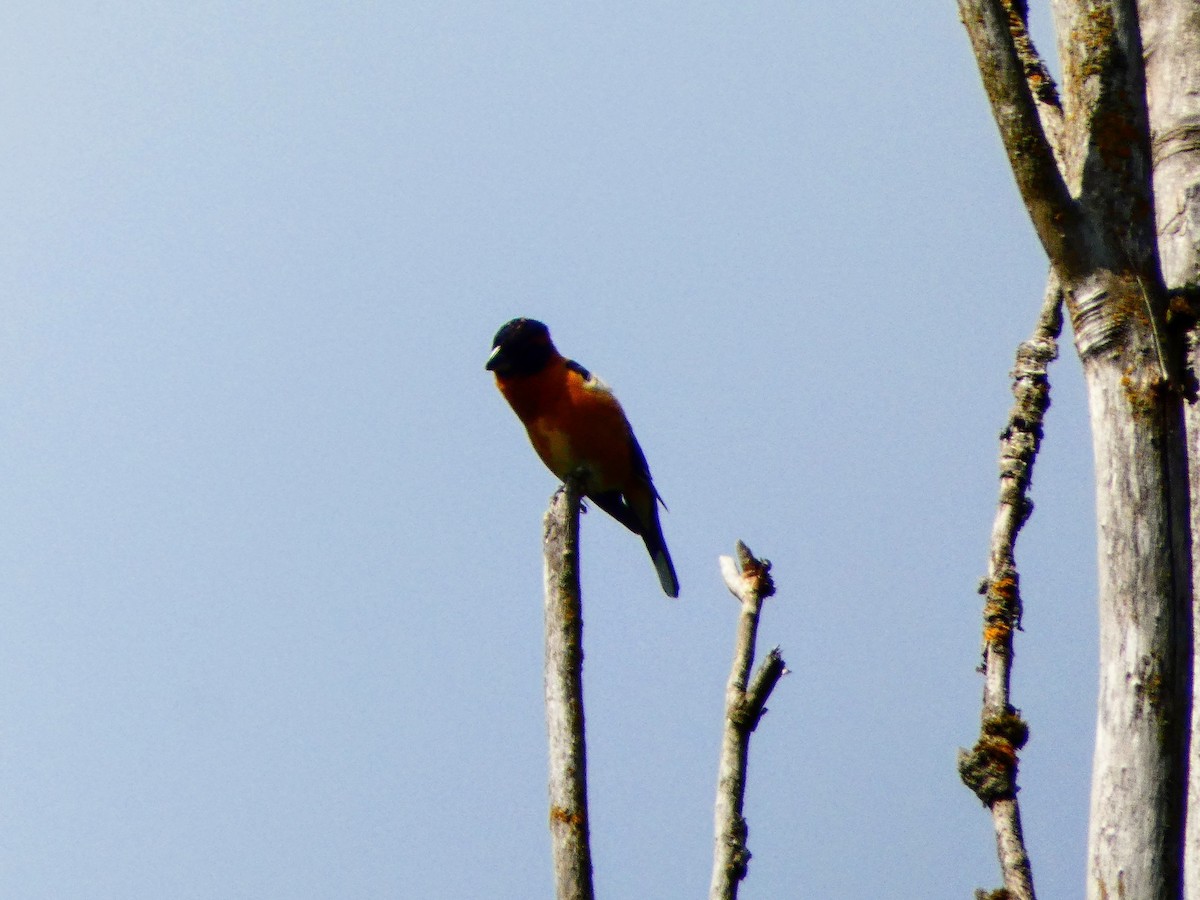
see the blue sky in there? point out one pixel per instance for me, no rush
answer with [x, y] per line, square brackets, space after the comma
[269, 554]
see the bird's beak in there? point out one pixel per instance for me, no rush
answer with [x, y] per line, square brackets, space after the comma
[494, 361]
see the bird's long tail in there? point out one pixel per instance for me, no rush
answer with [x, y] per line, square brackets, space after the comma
[656, 546]
[640, 515]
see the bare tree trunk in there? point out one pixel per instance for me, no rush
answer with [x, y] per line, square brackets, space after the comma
[1084, 173]
[1171, 48]
[1138, 765]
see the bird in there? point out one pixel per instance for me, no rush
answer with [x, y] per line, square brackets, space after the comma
[576, 424]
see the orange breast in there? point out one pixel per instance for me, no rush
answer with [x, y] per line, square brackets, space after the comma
[572, 424]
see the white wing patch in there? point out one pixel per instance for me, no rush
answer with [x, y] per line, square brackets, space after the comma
[591, 381]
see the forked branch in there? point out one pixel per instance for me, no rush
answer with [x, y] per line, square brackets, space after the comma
[749, 580]
[1025, 106]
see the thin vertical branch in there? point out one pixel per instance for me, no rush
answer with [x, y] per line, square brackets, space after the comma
[749, 580]
[564, 698]
[990, 768]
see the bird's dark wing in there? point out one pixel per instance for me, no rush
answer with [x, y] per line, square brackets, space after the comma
[614, 504]
[641, 467]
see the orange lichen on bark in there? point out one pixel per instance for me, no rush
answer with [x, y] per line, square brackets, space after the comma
[997, 633]
[1002, 611]
[565, 816]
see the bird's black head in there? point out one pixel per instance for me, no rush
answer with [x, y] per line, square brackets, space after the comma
[521, 347]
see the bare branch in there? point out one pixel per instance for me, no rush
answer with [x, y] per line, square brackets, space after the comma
[995, 28]
[990, 768]
[564, 697]
[765, 678]
[1042, 88]
[749, 580]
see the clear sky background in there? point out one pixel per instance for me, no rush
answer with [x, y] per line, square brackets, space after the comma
[270, 569]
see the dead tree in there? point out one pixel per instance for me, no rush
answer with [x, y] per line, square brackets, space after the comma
[1109, 171]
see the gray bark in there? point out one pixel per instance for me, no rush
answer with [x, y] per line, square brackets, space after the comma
[1171, 48]
[564, 698]
[1137, 777]
[745, 701]
[1108, 265]
[990, 768]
